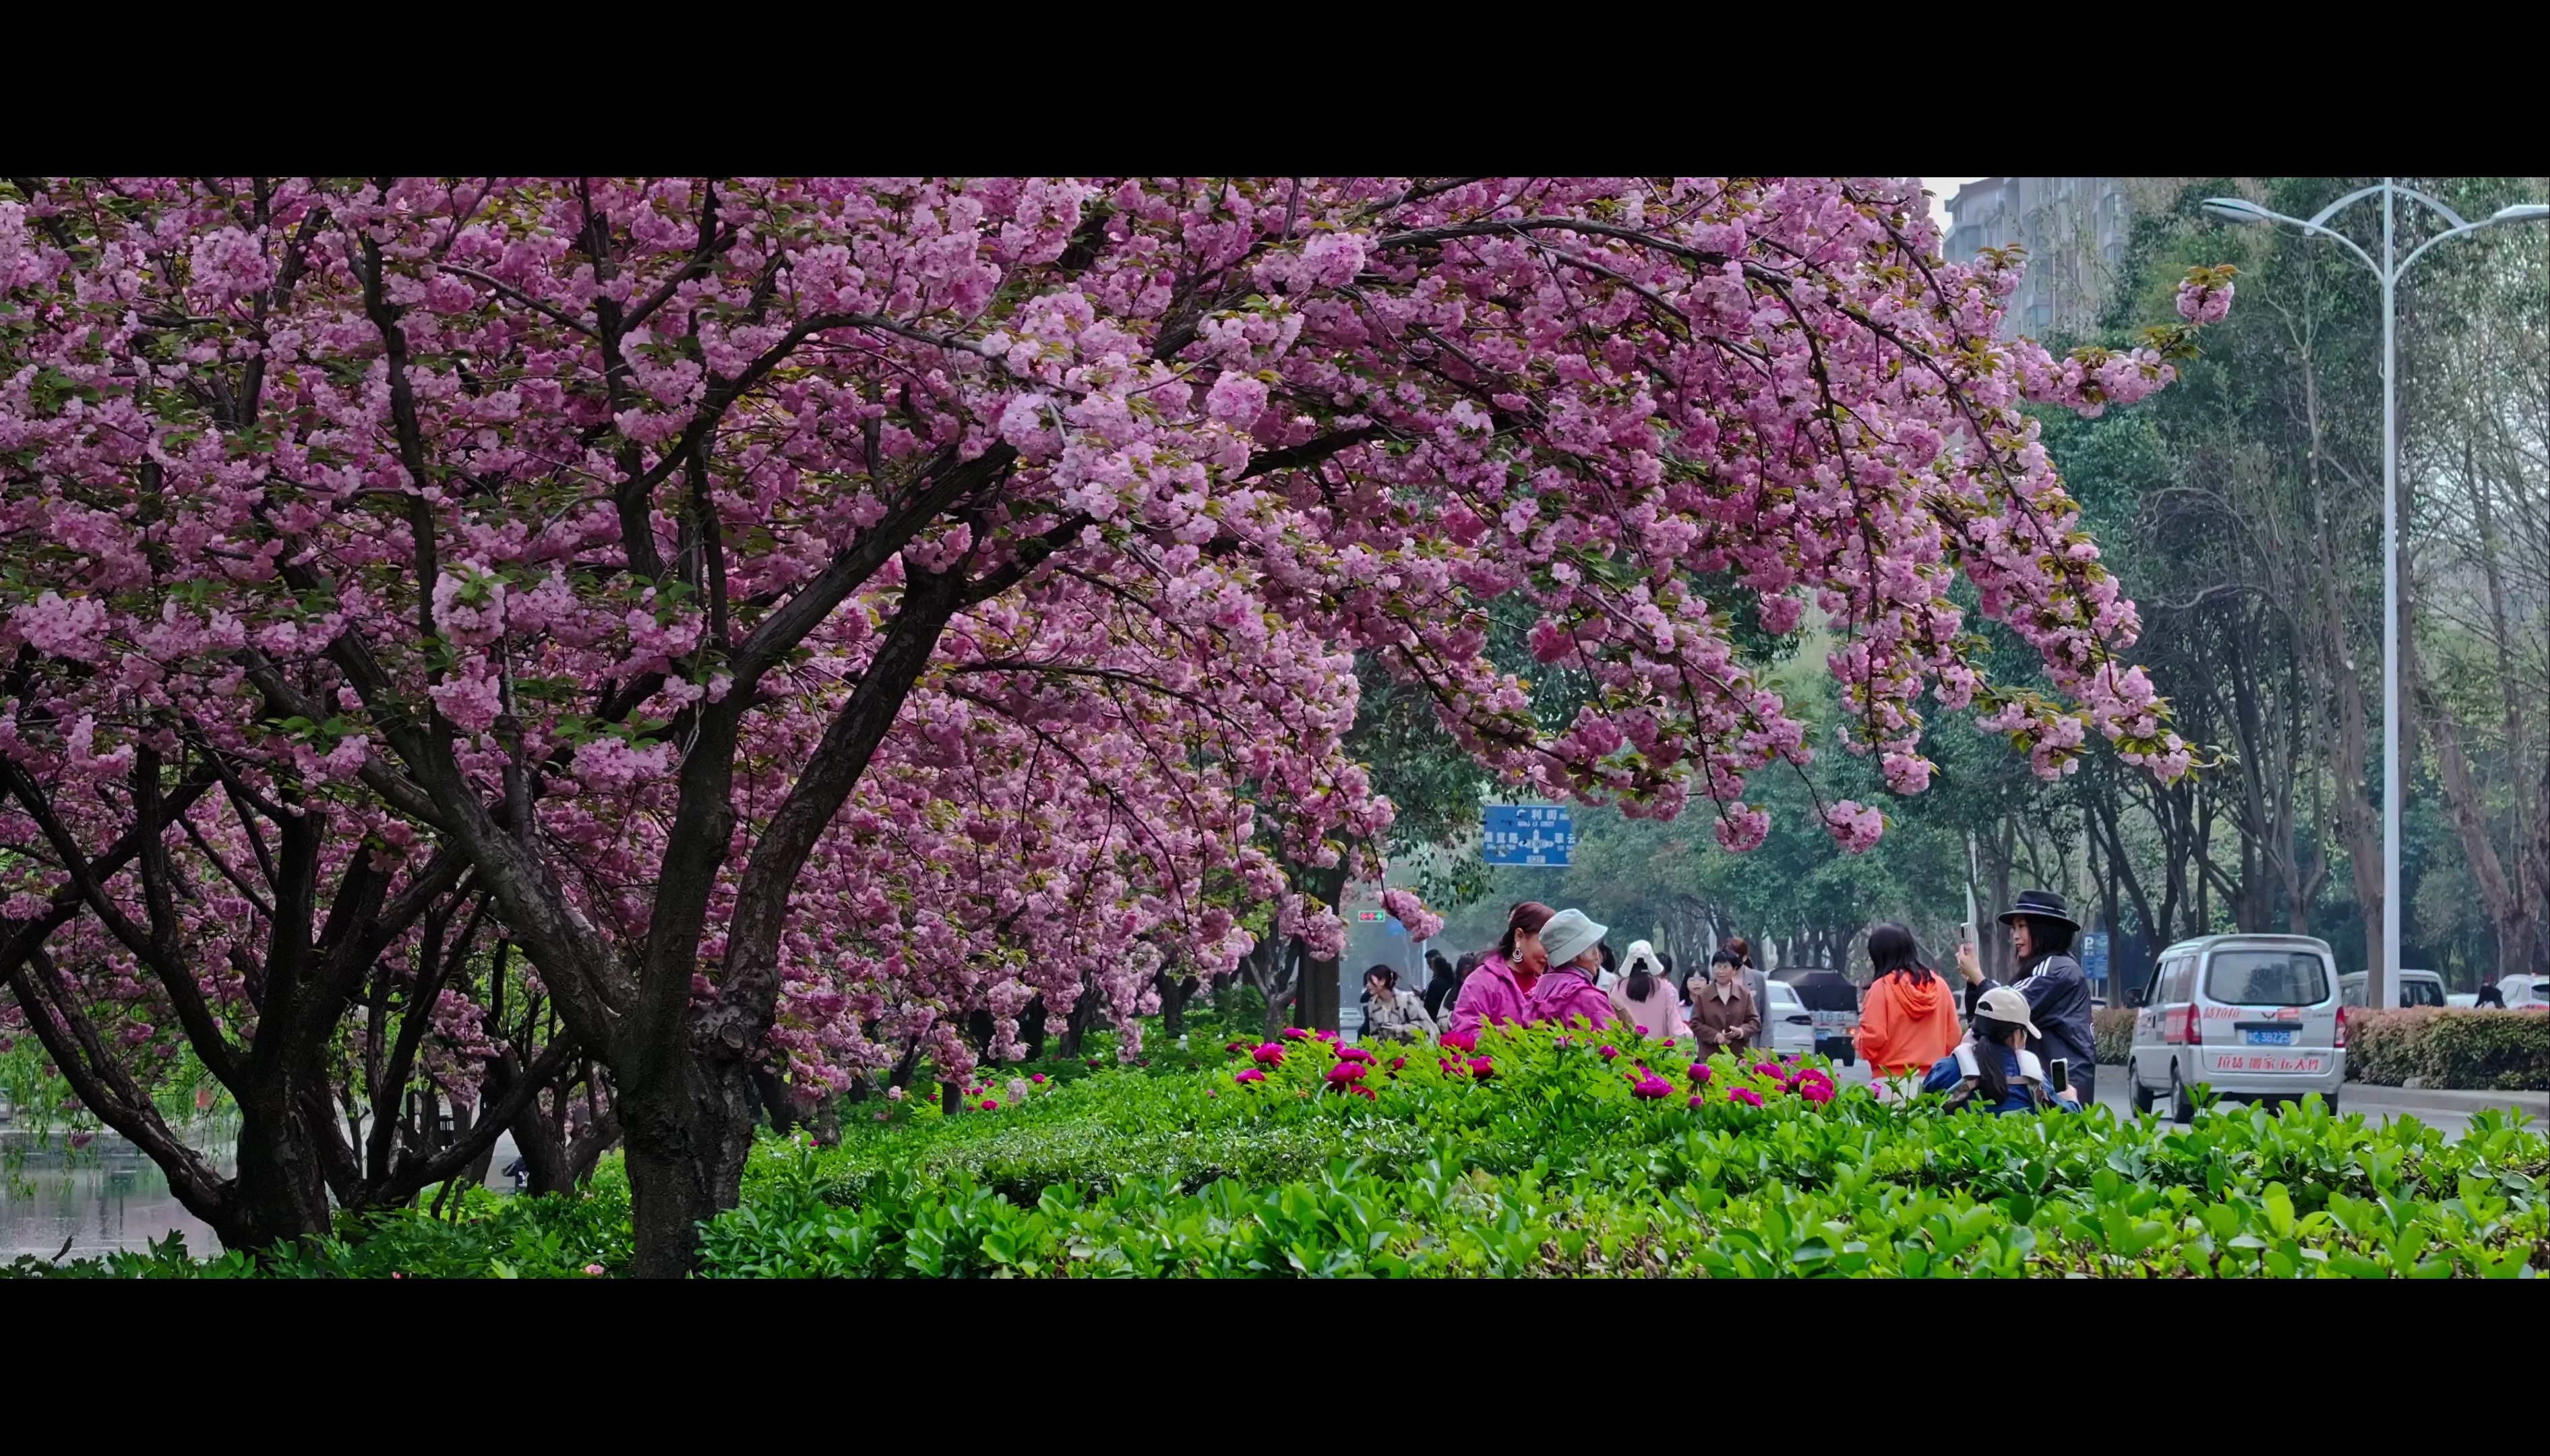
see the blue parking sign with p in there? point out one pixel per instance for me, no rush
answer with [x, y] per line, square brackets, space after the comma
[1527, 833]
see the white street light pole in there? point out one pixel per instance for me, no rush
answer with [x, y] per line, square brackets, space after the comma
[2382, 975]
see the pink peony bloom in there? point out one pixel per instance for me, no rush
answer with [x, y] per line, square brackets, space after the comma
[1269, 1055]
[1696, 1099]
[1482, 1068]
[1366, 1093]
[990, 1106]
[1249, 1074]
[1461, 1040]
[1609, 1051]
[1745, 1095]
[1355, 1054]
[1699, 1073]
[1651, 1087]
[1344, 1072]
[1036, 1077]
[1815, 1092]
[594, 1270]
[1293, 1033]
[1397, 1063]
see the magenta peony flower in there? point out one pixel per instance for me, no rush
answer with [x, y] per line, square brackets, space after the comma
[990, 1106]
[1669, 1041]
[1461, 1040]
[1770, 1069]
[1608, 1051]
[1234, 1046]
[1814, 1091]
[1366, 1093]
[1397, 1063]
[1344, 1072]
[1249, 1074]
[1269, 1055]
[1697, 1100]
[1482, 1068]
[1642, 1031]
[1354, 1054]
[1745, 1095]
[1699, 1073]
[1293, 1033]
[1039, 1077]
[1651, 1087]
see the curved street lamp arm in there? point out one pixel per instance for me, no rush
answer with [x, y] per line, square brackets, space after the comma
[2333, 209]
[2456, 218]
[2465, 229]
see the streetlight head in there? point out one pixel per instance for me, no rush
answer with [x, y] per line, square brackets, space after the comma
[2236, 210]
[2522, 212]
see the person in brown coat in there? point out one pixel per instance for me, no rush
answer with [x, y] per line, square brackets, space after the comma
[1723, 1015]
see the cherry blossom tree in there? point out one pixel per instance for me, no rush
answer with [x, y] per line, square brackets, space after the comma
[807, 611]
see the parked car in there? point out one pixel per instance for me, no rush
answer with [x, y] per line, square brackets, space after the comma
[2416, 988]
[2525, 993]
[2463, 999]
[2252, 1017]
[1787, 1026]
[1832, 1005]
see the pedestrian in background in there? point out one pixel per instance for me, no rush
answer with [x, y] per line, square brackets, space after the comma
[1723, 1013]
[2041, 929]
[1757, 985]
[1390, 1014]
[1498, 990]
[2489, 995]
[1566, 992]
[1445, 982]
[1908, 1018]
[1645, 998]
[1611, 975]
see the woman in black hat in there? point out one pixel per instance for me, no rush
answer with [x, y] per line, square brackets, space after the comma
[2058, 994]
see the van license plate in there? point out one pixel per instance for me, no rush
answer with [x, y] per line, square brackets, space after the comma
[2269, 1038]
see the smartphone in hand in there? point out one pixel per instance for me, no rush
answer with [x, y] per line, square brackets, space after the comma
[2061, 1072]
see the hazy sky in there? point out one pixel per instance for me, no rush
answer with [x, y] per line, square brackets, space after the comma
[1944, 188]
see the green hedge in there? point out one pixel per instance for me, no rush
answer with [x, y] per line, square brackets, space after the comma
[1559, 1160]
[2450, 1047]
[2113, 1032]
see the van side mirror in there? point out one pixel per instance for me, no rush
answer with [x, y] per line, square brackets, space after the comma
[2135, 998]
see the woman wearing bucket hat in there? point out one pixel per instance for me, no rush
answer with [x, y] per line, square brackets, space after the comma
[2057, 993]
[1566, 992]
[1644, 997]
[1996, 1071]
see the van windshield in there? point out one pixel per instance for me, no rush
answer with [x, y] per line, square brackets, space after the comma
[2267, 978]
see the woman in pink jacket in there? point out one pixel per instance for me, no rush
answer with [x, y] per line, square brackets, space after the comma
[1498, 990]
[1567, 993]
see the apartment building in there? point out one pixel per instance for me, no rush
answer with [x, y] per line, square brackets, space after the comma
[2074, 231]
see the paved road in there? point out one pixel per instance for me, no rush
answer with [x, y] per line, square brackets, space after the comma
[2448, 1112]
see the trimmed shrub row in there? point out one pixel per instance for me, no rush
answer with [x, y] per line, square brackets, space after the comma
[2449, 1046]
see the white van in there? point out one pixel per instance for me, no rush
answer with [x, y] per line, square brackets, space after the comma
[2253, 1017]
[2416, 988]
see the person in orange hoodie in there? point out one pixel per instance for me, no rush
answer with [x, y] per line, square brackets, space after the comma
[1908, 1018]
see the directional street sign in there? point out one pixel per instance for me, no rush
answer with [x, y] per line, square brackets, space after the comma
[1528, 834]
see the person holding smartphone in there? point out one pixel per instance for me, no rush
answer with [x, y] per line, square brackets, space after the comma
[2056, 991]
[1995, 1072]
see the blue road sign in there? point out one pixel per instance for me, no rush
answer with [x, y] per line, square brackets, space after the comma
[1527, 833]
[2093, 957]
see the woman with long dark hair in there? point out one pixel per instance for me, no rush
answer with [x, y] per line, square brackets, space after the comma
[1445, 980]
[1501, 987]
[1995, 1072]
[1643, 998]
[1907, 1020]
[1390, 1014]
[2041, 929]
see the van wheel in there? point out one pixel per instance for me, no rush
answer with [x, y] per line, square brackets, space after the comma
[2182, 1108]
[2143, 1097]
